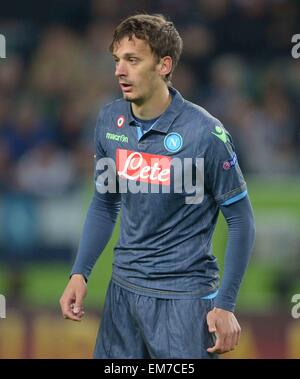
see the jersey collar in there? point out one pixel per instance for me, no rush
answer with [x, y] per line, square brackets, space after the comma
[167, 118]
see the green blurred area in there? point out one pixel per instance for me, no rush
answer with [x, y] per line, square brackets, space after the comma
[271, 276]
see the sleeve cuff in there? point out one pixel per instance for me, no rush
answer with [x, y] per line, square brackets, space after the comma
[221, 199]
[235, 198]
[226, 305]
[78, 273]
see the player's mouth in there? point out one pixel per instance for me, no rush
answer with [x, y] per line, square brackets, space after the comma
[126, 87]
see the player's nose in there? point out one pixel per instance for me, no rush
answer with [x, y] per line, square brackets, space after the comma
[121, 69]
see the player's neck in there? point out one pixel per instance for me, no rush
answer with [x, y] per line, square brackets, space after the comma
[153, 106]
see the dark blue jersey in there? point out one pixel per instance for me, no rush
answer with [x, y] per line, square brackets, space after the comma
[171, 182]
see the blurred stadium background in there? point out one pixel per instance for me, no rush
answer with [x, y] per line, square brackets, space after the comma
[237, 63]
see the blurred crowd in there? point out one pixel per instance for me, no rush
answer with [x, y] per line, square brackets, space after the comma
[58, 72]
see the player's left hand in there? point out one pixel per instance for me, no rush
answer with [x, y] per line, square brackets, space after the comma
[226, 328]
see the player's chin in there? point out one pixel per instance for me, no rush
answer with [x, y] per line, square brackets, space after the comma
[126, 96]
[129, 97]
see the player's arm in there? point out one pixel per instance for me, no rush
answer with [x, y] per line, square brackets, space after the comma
[225, 182]
[98, 227]
[97, 230]
[241, 229]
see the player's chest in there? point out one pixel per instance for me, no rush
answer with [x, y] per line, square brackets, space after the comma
[155, 158]
[131, 138]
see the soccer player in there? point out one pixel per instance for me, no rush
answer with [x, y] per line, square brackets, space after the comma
[164, 299]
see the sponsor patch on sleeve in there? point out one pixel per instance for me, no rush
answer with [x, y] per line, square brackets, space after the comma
[227, 165]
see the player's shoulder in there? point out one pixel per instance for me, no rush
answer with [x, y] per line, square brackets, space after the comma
[207, 130]
[109, 114]
[199, 116]
[202, 122]
[112, 108]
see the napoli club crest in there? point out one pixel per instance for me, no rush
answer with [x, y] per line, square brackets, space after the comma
[173, 142]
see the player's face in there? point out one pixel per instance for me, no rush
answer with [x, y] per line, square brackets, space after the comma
[137, 70]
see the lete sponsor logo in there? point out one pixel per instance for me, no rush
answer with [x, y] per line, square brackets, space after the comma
[143, 167]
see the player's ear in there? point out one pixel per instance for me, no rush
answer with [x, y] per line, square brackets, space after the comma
[165, 65]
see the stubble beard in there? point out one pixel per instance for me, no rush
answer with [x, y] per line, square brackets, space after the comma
[134, 100]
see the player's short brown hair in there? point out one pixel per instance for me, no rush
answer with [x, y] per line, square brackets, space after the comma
[160, 34]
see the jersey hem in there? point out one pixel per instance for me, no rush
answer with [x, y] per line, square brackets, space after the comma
[163, 294]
